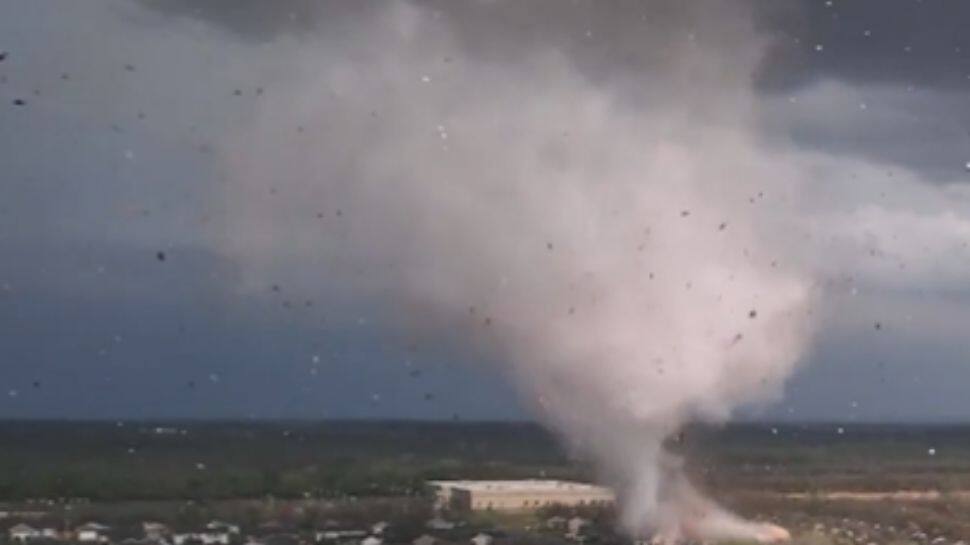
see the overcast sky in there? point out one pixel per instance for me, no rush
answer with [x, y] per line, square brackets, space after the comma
[128, 286]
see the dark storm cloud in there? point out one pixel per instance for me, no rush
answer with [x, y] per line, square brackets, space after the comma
[257, 20]
[913, 46]
[882, 80]
[888, 41]
[93, 191]
[906, 42]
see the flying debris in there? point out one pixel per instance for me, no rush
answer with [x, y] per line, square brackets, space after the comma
[160, 256]
[19, 102]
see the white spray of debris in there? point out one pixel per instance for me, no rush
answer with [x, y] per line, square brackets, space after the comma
[616, 235]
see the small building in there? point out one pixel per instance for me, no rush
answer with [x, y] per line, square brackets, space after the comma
[557, 523]
[92, 532]
[482, 538]
[220, 526]
[520, 495]
[438, 523]
[23, 532]
[155, 530]
[337, 535]
[575, 526]
[205, 537]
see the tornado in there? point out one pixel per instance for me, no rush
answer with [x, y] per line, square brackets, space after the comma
[576, 193]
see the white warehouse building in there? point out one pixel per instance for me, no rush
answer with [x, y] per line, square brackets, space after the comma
[518, 495]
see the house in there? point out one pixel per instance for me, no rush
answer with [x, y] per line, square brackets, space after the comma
[336, 535]
[439, 523]
[557, 523]
[92, 532]
[220, 526]
[205, 537]
[155, 530]
[575, 526]
[23, 532]
[482, 538]
[372, 540]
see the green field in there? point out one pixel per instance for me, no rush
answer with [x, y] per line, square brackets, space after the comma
[253, 471]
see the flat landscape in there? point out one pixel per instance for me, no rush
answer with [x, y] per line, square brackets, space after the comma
[837, 483]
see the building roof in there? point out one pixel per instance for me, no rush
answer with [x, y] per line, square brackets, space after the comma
[523, 485]
[93, 526]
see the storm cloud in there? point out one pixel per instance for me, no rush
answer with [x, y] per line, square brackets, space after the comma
[134, 110]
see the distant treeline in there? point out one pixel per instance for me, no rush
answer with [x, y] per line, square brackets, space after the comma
[215, 460]
[224, 460]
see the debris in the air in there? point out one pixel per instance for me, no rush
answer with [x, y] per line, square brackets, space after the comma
[19, 102]
[276, 288]
[130, 67]
[737, 338]
[967, 166]
[722, 226]
[684, 213]
[931, 451]
[752, 313]
[36, 384]
[160, 256]
[3, 55]
[549, 246]
[259, 91]
[819, 48]
[65, 76]
[426, 79]
[428, 396]
[237, 92]
[878, 326]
